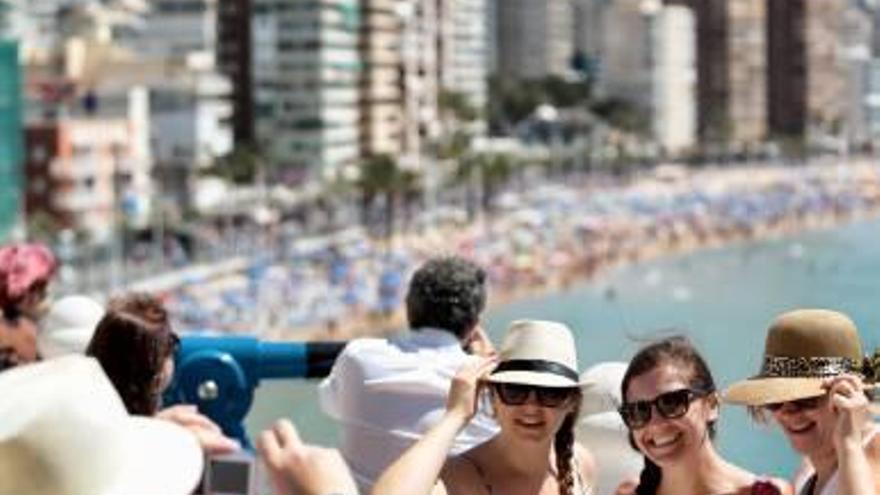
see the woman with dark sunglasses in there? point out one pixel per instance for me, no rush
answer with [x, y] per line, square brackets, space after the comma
[670, 407]
[535, 392]
[814, 382]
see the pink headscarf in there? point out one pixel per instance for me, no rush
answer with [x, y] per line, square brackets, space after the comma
[24, 267]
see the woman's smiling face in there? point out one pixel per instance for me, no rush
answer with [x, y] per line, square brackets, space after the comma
[531, 420]
[809, 430]
[670, 440]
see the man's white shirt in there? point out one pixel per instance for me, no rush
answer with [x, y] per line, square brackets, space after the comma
[386, 393]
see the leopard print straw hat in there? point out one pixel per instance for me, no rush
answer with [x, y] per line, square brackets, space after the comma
[803, 348]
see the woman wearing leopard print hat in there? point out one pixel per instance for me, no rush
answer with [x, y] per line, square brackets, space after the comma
[815, 384]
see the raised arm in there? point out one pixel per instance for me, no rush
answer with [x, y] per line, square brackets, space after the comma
[417, 471]
[858, 465]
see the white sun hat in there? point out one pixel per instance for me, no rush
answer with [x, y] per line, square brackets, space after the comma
[601, 429]
[68, 326]
[65, 431]
[540, 353]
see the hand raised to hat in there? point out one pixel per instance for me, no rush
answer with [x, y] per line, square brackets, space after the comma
[464, 393]
[479, 343]
[850, 408]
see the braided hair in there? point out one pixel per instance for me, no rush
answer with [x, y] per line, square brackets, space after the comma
[675, 349]
[563, 445]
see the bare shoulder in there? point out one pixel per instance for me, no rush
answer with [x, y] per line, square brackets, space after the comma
[586, 461]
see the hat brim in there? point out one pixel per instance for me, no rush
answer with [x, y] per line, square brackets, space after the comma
[537, 379]
[763, 391]
[60, 343]
[161, 457]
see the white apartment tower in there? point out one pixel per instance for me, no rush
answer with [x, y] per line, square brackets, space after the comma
[306, 71]
[674, 118]
[464, 51]
[420, 77]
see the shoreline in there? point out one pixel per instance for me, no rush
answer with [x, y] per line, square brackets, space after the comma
[547, 272]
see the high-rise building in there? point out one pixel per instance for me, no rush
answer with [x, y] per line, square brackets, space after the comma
[463, 50]
[624, 48]
[856, 37]
[306, 71]
[535, 38]
[90, 173]
[731, 69]
[805, 80]
[588, 26]
[381, 92]
[176, 28]
[420, 77]
[674, 78]
[11, 138]
[746, 106]
[234, 60]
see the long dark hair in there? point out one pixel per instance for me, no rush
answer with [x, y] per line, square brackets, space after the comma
[679, 350]
[563, 445]
[132, 342]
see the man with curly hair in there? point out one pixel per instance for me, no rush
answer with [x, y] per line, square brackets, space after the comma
[386, 393]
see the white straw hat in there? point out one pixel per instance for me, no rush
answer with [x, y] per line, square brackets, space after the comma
[68, 326]
[540, 353]
[65, 431]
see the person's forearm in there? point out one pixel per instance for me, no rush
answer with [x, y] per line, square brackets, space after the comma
[417, 470]
[854, 468]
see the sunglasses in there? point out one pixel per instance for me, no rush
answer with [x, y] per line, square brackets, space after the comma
[669, 405]
[516, 394]
[807, 404]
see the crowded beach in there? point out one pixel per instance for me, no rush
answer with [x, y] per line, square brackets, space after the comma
[538, 239]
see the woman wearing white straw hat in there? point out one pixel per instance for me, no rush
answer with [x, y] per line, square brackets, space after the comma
[814, 383]
[64, 430]
[535, 392]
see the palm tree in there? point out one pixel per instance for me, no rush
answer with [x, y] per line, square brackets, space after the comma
[243, 165]
[489, 171]
[382, 176]
[496, 171]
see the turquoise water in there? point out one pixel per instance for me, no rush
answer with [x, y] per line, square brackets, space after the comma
[722, 299]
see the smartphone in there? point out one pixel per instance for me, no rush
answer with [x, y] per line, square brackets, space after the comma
[231, 474]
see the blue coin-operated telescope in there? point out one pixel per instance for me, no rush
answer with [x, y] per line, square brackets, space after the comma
[219, 373]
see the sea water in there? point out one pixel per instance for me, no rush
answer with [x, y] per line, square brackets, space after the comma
[723, 299]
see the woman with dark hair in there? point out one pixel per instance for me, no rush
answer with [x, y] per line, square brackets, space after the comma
[671, 406]
[535, 393]
[135, 345]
